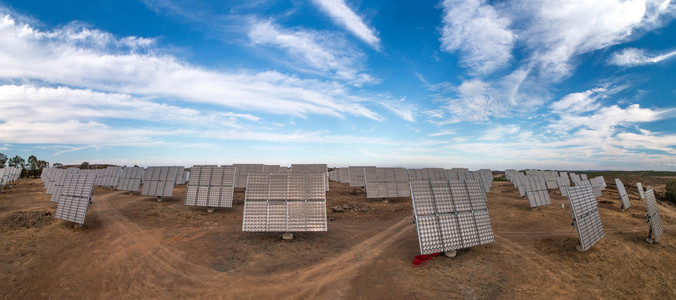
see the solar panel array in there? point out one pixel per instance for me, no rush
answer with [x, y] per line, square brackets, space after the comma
[159, 181]
[285, 202]
[334, 175]
[427, 173]
[243, 170]
[56, 185]
[345, 175]
[653, 216]
[74, 196]
[585, 215]
[9, 175]
[357, 176]
[574, 178]
[386, 182]
[311, 168]
[584, 177]
[130, 179]
[108, 177]
[450, 215]
[563, 185]
[641, 193]
[211, 186]
[536, 191]
[180, 176]
[597, 184]
[622, 192]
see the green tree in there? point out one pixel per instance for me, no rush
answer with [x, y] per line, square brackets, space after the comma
[32, 163]
[57, 165]
[3, 160]
[84, 165]
[670, 194]
[17, 161]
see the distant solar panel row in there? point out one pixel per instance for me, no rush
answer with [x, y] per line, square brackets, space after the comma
[210, 186]
[285, 202]
[243, 170]
[311, 168]
[386, 182]
[108, 177]
[130, 179]
[357, 176]
[74, 196]
[159, 181]
[450, 215]
[585, 215]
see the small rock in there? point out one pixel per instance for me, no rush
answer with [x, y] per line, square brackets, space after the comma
[337, 209]
[287, 236]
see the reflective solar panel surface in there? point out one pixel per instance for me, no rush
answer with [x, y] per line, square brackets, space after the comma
[622, 192]
[450, 215]
[159, 181]
[210, 186]
[387, 182]
[641, 193]
[285, 202]
[585, 215]
[243, 170]
[357, 176]
[654, 218]
[74, 197]
[130, 179]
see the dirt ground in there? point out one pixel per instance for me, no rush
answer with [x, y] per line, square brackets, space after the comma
[135, 247]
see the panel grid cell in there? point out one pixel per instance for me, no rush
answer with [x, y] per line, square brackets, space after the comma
[585, 215]
[653, 216]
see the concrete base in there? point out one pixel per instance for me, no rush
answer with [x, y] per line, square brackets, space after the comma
[451, 253]
[210, 210]
[578, 248]
[78, 226]
[159, 199]
[385, 201]
[649, 241]
[287, 236]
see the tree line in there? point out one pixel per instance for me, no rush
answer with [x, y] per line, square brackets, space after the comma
[31, 168]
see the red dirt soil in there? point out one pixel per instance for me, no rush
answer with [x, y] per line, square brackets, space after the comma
[135, 247]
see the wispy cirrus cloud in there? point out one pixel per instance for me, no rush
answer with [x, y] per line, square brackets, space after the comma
[631, 57]
[347, 18]
[319, 53]
[85, 58]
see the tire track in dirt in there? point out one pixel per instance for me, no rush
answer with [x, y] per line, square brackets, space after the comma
[131, 251]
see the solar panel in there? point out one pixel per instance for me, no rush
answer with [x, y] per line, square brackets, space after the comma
[386, 182]
[536, 191]
[108, 176]
[640, 190]
[345, 175]
[450, 215]
[584, 177]
[357, 177]
[210, 186]
[655, 231]
[586, 217]
[243, 170]
[74, 197]
[285, 202]
[58, 183]
[622, 192]
[312, 168]
[159, 181]
[130, 179]
[180, 176]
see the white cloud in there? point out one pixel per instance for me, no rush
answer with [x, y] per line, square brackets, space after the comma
[322, 52]
[558, 30]
[578, 102]
[344, 16]
[630, 57]
[400, 108]
[91, 59]
[499, 132]
[442, 133]
[479, 32]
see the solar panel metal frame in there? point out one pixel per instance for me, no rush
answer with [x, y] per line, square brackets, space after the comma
[622, 192]
[655, 228]
[641, 193]
[285, 202]
[585, 214]
[74, 197]
[211, 186]
[450, 215]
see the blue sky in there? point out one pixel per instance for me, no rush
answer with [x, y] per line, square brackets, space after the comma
[476, 84]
